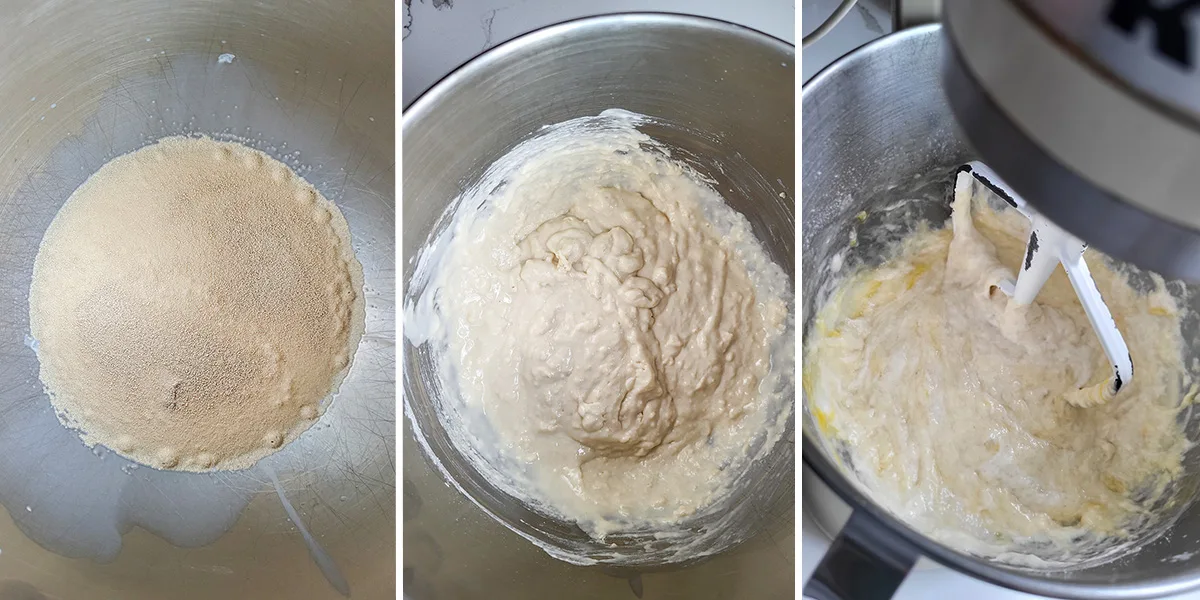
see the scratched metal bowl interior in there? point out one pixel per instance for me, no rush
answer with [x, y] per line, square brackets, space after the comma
[723, 98]
[310, 84]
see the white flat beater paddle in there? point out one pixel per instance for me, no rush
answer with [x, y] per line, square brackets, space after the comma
[1048, 247]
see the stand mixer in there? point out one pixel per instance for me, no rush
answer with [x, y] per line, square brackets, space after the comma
[1118, 169]
[1089, 112]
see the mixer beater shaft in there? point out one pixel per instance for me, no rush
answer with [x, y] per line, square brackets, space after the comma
[1048, 247]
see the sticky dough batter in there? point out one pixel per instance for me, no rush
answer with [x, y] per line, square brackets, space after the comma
[949, 401]
[610, 332]
[193, 303]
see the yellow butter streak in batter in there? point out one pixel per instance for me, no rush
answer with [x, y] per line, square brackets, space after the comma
[951, 404]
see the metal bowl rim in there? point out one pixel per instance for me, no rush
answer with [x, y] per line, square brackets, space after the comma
[483, 61]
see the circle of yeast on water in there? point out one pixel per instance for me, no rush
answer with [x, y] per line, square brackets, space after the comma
[183, 305]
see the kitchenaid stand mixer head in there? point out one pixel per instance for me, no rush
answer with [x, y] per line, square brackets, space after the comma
[1091, 111]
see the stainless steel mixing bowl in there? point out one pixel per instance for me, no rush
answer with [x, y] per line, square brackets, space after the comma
[728, 96]
[312, 84]
[877, 130]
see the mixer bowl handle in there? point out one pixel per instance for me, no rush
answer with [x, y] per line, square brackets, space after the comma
[866, 562]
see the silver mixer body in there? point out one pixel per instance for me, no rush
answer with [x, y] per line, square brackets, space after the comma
[1091, 111]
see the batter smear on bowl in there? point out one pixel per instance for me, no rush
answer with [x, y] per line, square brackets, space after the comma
[949, 403]
[193, 303]
[612, 323]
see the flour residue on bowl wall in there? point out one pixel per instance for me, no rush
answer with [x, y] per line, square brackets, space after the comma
[612, 336]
